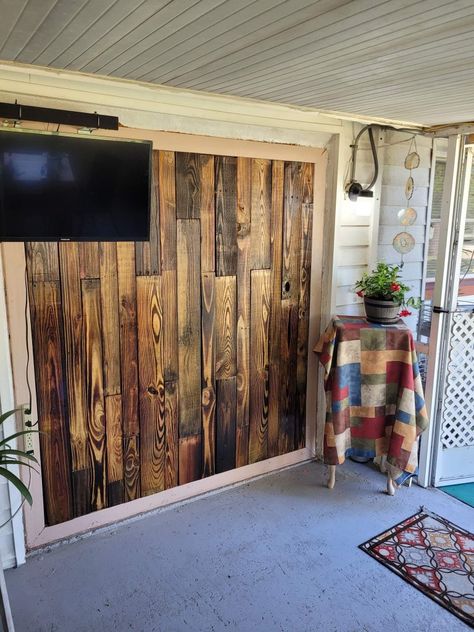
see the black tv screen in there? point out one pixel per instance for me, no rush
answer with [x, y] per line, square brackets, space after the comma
[55, 188]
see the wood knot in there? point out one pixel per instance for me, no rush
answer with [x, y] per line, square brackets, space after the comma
[152, 390]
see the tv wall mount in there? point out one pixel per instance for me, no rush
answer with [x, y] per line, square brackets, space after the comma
[17, 112]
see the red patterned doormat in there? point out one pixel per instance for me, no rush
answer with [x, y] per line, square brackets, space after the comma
[434, 555]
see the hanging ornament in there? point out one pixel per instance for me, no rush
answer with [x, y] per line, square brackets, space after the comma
[404, 242]
[412, 160]
[409, 188]
[407, 216]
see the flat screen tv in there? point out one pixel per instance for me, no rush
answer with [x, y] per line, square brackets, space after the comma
[55, 187]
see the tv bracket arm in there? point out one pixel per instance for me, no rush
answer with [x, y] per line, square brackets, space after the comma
[354, 189]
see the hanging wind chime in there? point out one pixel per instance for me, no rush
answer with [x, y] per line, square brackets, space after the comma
[404, 242]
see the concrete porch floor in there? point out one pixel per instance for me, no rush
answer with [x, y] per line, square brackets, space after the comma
[279, 553]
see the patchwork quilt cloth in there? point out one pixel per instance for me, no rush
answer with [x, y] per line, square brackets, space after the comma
[374, 397]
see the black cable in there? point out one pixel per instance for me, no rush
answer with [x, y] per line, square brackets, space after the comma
[374, 158]
[27, 341]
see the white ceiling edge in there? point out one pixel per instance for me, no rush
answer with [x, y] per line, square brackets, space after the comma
[150, 106]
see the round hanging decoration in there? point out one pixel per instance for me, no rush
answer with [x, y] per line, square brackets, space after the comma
[409, 188]
[407, 216]
[412, 160]
[403, 243]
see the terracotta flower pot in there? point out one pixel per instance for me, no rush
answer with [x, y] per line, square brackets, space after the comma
[383, 312]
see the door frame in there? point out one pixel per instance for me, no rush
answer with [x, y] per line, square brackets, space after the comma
[453, 212]
[37, 533]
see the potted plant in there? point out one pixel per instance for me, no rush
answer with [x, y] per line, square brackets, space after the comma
[12, 456]
[384, 294]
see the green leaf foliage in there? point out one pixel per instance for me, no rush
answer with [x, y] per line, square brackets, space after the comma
[10, 456]
[384, 283]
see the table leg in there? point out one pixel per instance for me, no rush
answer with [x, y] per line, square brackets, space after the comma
[331, 476]
[391, 485]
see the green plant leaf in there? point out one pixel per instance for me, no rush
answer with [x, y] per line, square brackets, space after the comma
[18, 483]
[4, 416]
[24, 455]
[17, 434]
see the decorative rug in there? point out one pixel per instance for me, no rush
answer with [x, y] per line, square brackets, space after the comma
[435, 556]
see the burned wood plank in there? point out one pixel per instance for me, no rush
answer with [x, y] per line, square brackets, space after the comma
[188, 185]
[304, 298]
[288, 342]
[226, 215]
[74, 373]
[208, 215]
[171, 435]
[129, 363]
[131, 459]
[148, 253]
[94, 391]
[42, 260]
[151, 384]
[189, 327]
[275, 311]
[226, 311]
[226, 403]
[208, 399]
[190, 459]
[293, 199]
[113, 425]
[167, 203]
[89, 259]
[51, 395]
[110, 316]
[259, 362]
[244, 203]
[261, 213]
[169, 289]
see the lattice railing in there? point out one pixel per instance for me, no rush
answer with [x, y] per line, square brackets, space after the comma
[457, 428]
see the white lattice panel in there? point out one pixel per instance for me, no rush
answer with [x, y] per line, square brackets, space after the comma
[458, 401]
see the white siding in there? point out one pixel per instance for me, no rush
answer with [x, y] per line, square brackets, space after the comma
[394, 177]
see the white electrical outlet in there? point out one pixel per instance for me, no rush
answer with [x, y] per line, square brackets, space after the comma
[27, 421]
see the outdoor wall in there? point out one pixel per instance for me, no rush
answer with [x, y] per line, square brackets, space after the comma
[392, 199]
[366, 228]
[357, 223]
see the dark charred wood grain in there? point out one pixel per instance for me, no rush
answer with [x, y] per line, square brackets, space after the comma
[275, 311]
[208, 373]
[226, 215]
[226, 404]
[189, 327]
[94, 391]
[226, 311]
[110, 317]
[259, 365]
[151, 384]
[51, 395]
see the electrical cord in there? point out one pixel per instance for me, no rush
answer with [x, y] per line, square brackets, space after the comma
[27, 341]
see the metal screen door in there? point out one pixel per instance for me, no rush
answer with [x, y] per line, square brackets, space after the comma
[453, 309]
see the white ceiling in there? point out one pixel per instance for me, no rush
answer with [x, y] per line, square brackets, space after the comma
[404, 60]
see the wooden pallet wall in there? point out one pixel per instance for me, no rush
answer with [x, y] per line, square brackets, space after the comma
[163, 362]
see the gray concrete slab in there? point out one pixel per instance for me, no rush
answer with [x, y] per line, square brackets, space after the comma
[279, 553]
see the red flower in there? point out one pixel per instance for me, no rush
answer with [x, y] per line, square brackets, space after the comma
[360, 293]
[405, 312]
[394, 287]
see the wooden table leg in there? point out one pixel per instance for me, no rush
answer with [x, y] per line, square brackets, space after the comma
[391, 485]
[331, 476]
